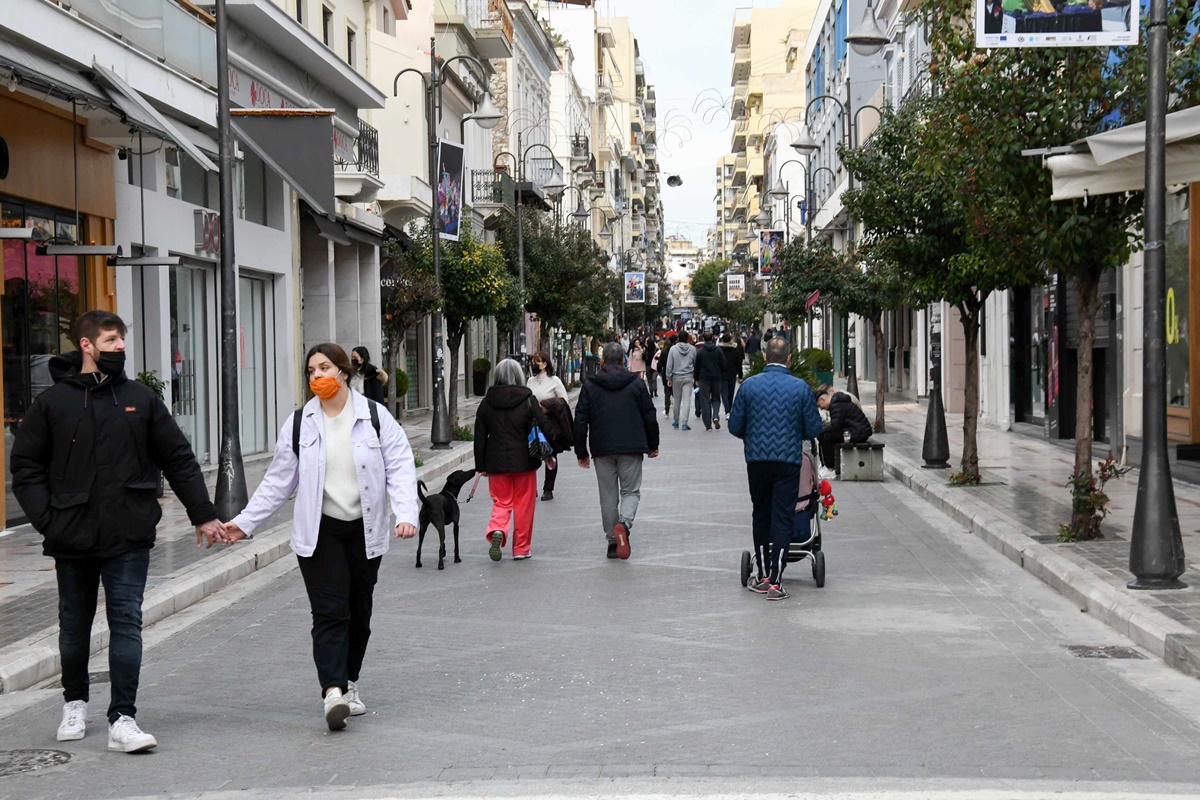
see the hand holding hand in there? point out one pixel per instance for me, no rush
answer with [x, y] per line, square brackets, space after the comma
[233, 533]
[405, 531]
[212, 532]
[586, 463]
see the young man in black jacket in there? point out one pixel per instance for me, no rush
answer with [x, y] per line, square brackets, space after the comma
[710, 374]
[85, 467]
[616, 409]
[844, 416]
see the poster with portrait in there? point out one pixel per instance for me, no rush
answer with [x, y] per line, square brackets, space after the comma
[635, 287]
[1054, 23]
[735, 287]
[770, 250]
[449, 189]
[652, 294]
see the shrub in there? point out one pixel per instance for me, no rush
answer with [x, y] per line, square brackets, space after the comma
[155, 384]
[401, 383]
[463, 434]
[1089, 502]
[818, 359]
[966, 479]
[481, 365]
[420, 462]
[796, 366]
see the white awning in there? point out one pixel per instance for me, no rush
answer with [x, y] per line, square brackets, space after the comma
[1115, 160]
[134, 105]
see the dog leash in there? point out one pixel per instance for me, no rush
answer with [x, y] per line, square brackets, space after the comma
[474, 486]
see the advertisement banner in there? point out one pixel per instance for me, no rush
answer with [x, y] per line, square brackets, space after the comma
[449, 189]
[770, 248]
[735, 287]
[1054, 23]
[635, 287]
[652, 294]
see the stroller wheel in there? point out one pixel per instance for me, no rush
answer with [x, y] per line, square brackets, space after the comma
[745, 567]
[819, 569]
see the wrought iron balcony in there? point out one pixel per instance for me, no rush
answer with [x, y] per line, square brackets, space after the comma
[580, 147]
[493, 188]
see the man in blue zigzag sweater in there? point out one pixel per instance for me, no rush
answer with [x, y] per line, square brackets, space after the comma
[774, 414]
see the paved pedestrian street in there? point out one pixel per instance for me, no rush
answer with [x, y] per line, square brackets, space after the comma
[929, 664]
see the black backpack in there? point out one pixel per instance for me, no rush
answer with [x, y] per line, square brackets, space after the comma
[298, 419]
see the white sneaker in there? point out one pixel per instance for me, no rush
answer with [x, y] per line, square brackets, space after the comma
[357, 706]
[124, 736]
[74, 721]
[336, 710]
[826, 474]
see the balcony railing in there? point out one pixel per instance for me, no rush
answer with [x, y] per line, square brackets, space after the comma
[185, 39]
[541, 170]
[493, 187]
[368, 149]
[580, 147]
[604, 89]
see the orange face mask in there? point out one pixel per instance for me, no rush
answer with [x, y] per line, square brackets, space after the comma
[325, 388]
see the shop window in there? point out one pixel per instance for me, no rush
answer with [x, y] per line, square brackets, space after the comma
[194, 187]
[1178, 288]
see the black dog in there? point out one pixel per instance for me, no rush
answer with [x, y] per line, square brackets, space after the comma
[440, 510]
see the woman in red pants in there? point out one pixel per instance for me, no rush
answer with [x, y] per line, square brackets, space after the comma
[502, 426]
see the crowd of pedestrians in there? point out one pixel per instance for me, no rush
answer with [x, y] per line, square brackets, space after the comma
[86, 460]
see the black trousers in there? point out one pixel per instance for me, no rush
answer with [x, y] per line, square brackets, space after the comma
[774, 490]
[831, 443]
[551, 477]
[709, 401]
[340, 580]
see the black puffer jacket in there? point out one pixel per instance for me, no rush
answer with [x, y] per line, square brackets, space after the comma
[734, 356]
[845, 415]
[616, 409]
[86, 461]
[502, 430]
[710, 363]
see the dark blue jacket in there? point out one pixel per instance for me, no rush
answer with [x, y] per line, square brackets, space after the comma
[774, 414]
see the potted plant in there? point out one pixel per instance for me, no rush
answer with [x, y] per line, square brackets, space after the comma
[155, 384]
[821, 363]
[479, 374]
[402, 389]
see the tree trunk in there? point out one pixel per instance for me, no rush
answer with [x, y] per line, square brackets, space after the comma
[393, 360]
[1087, 292]
[970, 322]
[881, 372]
[454, 338]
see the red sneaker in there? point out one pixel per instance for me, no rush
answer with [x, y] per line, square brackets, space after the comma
[622, 534]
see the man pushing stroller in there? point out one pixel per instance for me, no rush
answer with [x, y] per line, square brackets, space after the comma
[774, 414]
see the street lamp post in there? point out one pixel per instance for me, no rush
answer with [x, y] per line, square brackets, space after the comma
[231, 495]
[487, 116]
[1156, 548]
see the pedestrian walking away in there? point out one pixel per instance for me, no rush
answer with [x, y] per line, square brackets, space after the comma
[845, 416]
[735, 355]
[668, 343]
[681, 378]
[545, 387]
[502, 455]
[652, 368]
[710, 376]
[616, 417]
[84, 465]
[753, 345]
[368, 379]
[774, 414]
[346, 459]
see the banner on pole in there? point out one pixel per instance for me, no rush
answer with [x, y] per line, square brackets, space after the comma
[652, 294]
[735, 287]
[1043, 23]
[635, 287]
[770, 249]
[449, 190]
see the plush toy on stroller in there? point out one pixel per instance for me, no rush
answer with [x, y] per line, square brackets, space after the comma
[811, 508]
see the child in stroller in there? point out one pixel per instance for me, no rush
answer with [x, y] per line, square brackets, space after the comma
[806, 533]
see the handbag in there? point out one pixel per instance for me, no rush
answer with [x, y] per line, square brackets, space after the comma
[539, 446]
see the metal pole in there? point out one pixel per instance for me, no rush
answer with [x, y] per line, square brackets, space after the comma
[1156, 549]
[231, 494]
[935, 449]
[441, 433]
[521, 343]
[851, 138]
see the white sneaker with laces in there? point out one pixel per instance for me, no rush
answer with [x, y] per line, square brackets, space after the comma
[74, 721]
[336, 710]
[826, 474]
[124, 736]
[357, 706]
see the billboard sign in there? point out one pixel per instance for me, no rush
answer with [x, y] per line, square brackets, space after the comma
[770, 250]
[449, 189]
[635, 287]
[735, 287]
[1043, 23]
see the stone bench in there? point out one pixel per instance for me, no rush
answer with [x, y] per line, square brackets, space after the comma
[862, 462]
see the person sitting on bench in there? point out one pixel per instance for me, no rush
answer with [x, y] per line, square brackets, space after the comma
[845, 416]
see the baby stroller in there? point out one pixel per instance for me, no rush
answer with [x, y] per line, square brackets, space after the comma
[806, 530]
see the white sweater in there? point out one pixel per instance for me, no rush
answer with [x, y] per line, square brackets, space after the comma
[343, 498]
[545, 387]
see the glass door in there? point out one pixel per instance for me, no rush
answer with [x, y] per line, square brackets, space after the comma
[190, 398]
[254, 368]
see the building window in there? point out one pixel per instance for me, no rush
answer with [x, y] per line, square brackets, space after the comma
[350, 46]
[385, 24]
[300, 11]
[327, 26]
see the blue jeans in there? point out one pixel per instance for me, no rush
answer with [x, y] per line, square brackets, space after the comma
[124, 579]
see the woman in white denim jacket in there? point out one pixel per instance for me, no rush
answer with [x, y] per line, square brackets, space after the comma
[345, 475]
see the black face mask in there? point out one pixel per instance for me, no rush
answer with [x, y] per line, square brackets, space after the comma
[111, 364]
[537, 370]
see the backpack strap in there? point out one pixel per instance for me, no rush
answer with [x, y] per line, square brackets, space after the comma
[297, 420]
[374, 406]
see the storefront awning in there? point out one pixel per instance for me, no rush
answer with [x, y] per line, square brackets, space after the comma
[1114, 161]
[130, 101]
[298, 145]
[333, 231]
[59, 80]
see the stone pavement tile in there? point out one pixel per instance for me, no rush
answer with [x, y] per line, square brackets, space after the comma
[459, 774]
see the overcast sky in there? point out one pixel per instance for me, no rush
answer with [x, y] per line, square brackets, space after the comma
[685, 48]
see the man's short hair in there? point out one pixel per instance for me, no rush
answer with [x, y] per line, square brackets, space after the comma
[91, 323]
[725, 337]
[708, 336]
[822, 391]
[776, 351]
[613, 353]
[683, 336]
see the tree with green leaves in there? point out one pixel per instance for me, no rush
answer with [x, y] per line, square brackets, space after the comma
[706, 287]
[411, 295]
[805, 267]
[475, 284]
